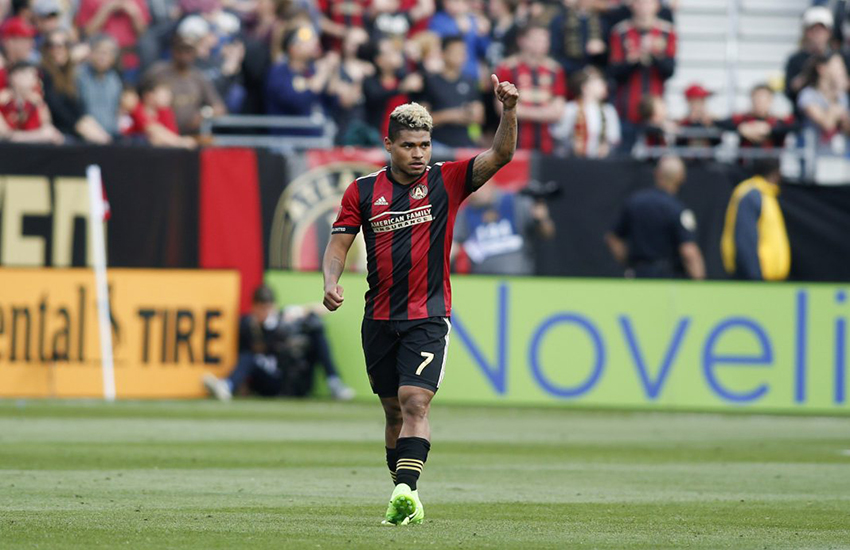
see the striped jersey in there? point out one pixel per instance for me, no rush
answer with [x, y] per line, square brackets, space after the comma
[634, 79]
[408, 232]
[538, 86]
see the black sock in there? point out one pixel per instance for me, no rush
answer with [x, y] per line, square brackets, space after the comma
[412, 452]
[392, 458]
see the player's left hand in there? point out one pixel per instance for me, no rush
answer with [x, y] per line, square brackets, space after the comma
[505, 92]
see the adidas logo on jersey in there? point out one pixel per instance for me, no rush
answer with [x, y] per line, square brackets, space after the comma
[381, 202]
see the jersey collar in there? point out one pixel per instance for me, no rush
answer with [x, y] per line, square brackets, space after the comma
[393, 180]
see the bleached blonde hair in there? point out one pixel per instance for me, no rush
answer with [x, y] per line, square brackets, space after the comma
[410, 116]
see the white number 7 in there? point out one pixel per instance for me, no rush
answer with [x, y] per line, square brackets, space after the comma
[428, 358]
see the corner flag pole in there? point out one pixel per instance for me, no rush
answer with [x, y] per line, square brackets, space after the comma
[98, 244]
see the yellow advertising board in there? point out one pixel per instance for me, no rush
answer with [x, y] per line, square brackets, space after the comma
[168, 328]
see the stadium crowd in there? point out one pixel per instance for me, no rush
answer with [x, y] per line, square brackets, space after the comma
[591, 72]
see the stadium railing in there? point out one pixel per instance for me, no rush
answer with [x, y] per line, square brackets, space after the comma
[285, 133]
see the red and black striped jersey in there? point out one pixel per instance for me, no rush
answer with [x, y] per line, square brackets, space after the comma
[348, 13]
[538, 85]
[636, 80]
[780, 127]
[408, 231]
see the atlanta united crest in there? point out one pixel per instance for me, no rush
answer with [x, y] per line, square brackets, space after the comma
[419, 192]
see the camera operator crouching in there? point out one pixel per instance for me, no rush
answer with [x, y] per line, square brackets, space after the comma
[278, 353]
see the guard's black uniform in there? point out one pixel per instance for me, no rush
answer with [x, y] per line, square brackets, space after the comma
[654, 225]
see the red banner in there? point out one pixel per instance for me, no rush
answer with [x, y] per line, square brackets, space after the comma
[230, 221]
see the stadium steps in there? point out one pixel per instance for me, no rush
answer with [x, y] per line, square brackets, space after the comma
[767, 32]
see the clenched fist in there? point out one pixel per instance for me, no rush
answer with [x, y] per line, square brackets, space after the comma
[505, 92]
[333, 297]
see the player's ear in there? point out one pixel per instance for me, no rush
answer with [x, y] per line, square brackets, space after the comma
[387, 144]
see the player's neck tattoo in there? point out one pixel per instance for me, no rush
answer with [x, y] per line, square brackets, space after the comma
[398, 176]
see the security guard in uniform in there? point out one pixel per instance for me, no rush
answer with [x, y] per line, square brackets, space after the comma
[755, 243]
[655, 235]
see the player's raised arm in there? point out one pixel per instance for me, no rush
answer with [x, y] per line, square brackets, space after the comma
[333, 265]
[504, 144]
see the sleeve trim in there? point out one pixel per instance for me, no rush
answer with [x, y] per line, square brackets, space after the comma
[346, 229]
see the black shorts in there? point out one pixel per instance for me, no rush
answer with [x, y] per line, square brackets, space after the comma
[405, 353]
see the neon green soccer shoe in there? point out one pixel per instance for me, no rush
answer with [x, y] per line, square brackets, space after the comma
[405, 507]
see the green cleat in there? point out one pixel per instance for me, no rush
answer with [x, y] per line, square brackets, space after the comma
[407, 509]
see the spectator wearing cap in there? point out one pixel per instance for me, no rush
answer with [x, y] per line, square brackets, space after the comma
[99, 84]
[191, 92]
[18, 44]
[655, 236]
[817, 31]
[456, 18]
[48, 16]
[219, 54]
[590, 127]
[698, 120]
[643, 57]
[542, 88]
[61, 93]
[452, 98]
[759, 127]
[297, 86]
[579, 35]
[24, 115]
[123, 20]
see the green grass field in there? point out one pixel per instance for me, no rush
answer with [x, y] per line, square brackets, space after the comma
[263, 474]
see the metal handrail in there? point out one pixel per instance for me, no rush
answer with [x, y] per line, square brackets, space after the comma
[323, 126]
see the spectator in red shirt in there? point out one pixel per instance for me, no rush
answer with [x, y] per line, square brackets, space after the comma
[698, 118]
[123, 20]
[152, 118]
[18, 44]
[25, 118]
[340, 15]
[643, 52]
[542, 88]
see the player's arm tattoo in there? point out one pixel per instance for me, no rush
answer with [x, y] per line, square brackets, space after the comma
[334, 261]
[501, 153]
[335, 268]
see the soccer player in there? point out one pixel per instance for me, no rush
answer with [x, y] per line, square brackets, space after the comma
[407, 212]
